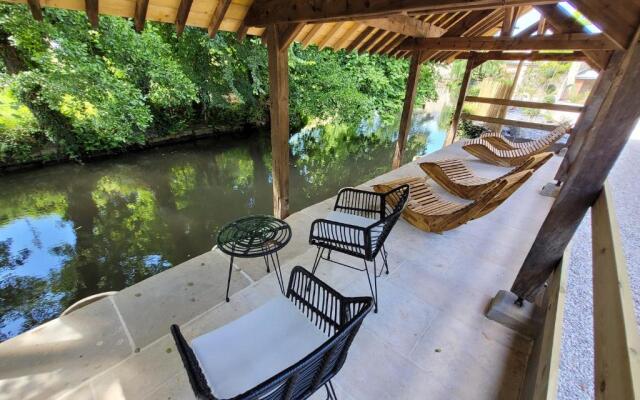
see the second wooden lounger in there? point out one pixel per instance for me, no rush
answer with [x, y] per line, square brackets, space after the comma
[458, 179]
[428, 211]
[485, 151]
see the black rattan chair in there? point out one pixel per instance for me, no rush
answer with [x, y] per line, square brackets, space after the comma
[358, 226]
[313, 325]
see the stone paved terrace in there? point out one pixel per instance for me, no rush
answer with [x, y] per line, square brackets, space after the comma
[430, 339]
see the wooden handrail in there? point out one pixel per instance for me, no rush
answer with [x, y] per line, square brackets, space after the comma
[616, 340]
[525, 104]
[509, 122]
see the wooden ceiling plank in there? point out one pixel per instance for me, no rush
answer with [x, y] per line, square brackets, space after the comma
[342, 42]
[311, 35]
[332, 31]
[279, 11]
[217, 17]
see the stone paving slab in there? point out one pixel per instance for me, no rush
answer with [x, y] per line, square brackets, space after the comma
[430, 339]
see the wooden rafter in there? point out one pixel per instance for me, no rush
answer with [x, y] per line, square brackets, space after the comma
[91, 7]
[217, 17]
[405, 25]
[392, 45]
[241, 33]
[460, 28]
[382, 43]
[617, 19]
[140, 15]
[577, 41]
[562, 22]
[373, 39]
[360, 38]
[36, 9]
[277, 11]
[311, 34]
[182, 15]
[287, 33]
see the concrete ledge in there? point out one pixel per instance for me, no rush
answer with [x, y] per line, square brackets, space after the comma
[522, 319]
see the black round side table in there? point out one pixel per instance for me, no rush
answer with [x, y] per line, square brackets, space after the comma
[255, 236]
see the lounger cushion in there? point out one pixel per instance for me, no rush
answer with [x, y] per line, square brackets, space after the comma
[246, 352]
[354, 220]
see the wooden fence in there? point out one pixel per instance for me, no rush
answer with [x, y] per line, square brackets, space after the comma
[616, 339]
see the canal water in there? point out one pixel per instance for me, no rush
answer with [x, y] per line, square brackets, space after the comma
[70, 231]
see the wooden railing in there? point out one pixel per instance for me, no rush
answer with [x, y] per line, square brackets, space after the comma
[521, 104]
[616, 339]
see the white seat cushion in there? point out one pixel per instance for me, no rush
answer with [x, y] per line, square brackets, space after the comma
[354, 220]
[253, 348]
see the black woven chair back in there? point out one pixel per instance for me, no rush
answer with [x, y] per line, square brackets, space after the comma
[395, 201]
[336, 316]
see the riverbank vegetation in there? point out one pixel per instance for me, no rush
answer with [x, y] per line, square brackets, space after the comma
[77, 91]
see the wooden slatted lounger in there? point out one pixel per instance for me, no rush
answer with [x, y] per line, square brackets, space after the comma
[500, 142]
[431, 213]
[457, 178]
[514, 157]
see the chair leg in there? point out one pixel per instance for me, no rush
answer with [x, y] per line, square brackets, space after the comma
[229, 278]
[266, 261]
[374, 292]
[316, 262]
[385, 259]
[331, 393]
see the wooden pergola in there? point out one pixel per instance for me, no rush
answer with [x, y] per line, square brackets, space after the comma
[439, 31]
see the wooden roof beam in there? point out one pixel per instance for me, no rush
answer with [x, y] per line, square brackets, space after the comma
[277, 11]
[405, 25]
[574, 56]
[371, 41]
[217, 17]
[577, 41]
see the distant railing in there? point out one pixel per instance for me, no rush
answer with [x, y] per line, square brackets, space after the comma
[616, 339]
[519, 104]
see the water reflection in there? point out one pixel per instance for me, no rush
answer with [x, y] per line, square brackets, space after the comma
[70, 231]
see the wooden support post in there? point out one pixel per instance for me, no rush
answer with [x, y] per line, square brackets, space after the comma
[451, 135]
[591, 108]
[604, 138]
[407, 110]
[279, 107]
[502, 113]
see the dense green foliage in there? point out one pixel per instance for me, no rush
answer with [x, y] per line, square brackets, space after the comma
[103, 90]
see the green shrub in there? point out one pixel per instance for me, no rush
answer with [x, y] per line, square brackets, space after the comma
[469, 130]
